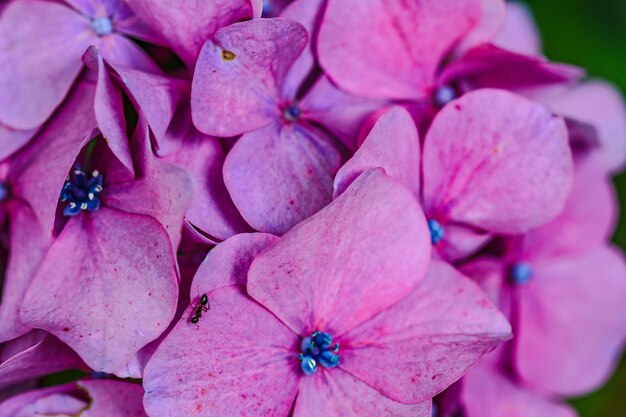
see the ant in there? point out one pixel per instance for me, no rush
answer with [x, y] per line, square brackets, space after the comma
[199, 308]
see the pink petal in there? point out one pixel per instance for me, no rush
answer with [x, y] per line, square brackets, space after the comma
[520, 33]
[341, 113]
[106, 288]
[488, 66]
[238, 93]
[496, 161]
[488, 393]
[228, 263]
[44, 42]
[251, 369]
[417, 348]
[491, 23]
[211, 209]
[393, 144]
[119, 50]
[359, 255]
[187, 24]
[574, 303]
[38, 354]
[337, 393]
[11, 140]
[391, 48]
[279, 176]
[113, 399]
[58, 400]
[40, 169]
[28, 245]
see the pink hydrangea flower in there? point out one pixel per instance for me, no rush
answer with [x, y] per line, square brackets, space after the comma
[327, 324]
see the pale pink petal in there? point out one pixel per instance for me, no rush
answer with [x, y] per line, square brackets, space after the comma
[417, 348]
[496, 161]
[393, 144]
[280, 175]
[391, 48]
[107, 287]
[488, 393]
[228, 263]
[187, 24]
[113, 399]
[492, 20]
[573, 305]
[41, 43]
[121, 51]
[59, 400]
[239, 361]
[337, 393]
[520, 33]
[11, 140]
[359, 255]
[238, 78]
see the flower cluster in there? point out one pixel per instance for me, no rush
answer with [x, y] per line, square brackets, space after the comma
[280, 208]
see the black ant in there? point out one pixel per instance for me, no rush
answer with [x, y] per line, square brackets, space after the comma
[199, 308]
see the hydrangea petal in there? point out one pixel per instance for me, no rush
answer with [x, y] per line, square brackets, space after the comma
[574, 303]
[11, 140]
[187, 24]
[279, 176]
[57, 400]
[492, 20]
[357, 256]
[238, 77]
[228, 263]
[496, 161]
[520, 33]
[106, 288]
[428, 340]
[393, 144]
[43, 42]
[250, 370]
[488, 393]
[393, 46]
[337, 393]
[113, 398]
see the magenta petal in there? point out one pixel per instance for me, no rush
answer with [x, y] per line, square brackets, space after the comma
[38, 354]
[338, 393]
[238, 78]
[11, 140]
[59, 400]
[40, 169]
[44, 42]
[393, 144]
[28, 245]
[427, 341]
[496, 161]
[359, 255]
[211, 210]
[119, 50]
[577, 303]
[520, 33]
[107, 287]
[488, 393]
[113, 399]
[279, 176]
[391, 48]
[187, 24]
[251, 369]
[228, 263]
[488, 66]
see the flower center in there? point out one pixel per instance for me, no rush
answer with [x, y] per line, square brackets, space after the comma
[267, 7]
[520, 273]
[292, 112]
[443, 95]
[318, 349]
[81, 192]
[5, 192]
[102, 26]
[437, 231]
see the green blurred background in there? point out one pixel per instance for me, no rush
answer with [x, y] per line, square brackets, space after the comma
[592, 34]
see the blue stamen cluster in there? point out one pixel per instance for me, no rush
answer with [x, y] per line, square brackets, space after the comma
[81, 192]
[443, 95]
[318, 349]
[436, 231]
[520, 273]
[292, 112]
[102, 26]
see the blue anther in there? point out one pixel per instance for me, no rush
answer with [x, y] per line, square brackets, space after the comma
[292, 112]
[5, 192]
[80, 192]
[437, 231]
[102, 26]
[267, 8]
[318, 349]
[520, 273]
[443, 95]
[434, 411]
